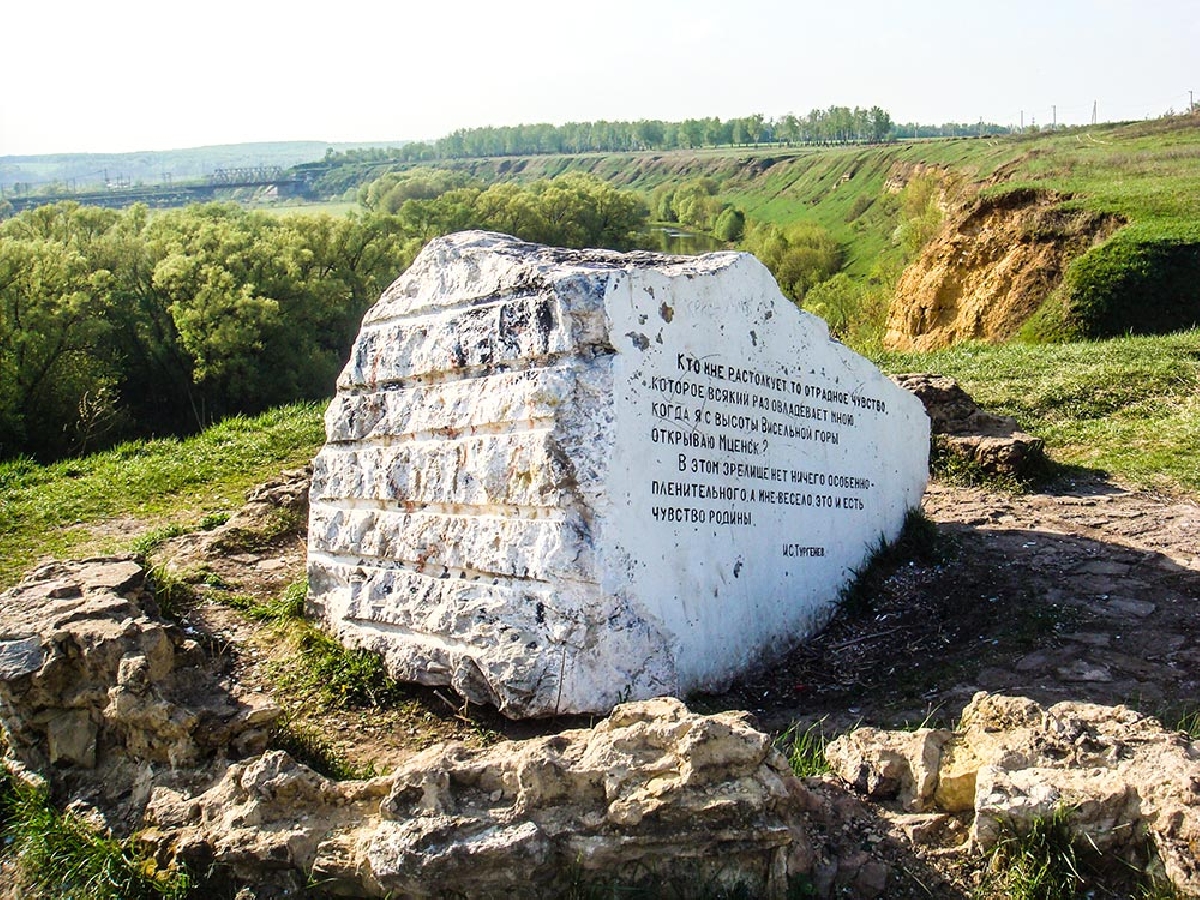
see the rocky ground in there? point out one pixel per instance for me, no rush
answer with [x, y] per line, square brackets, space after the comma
[1084, 591]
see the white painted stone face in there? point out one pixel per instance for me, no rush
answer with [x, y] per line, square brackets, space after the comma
[556, 480]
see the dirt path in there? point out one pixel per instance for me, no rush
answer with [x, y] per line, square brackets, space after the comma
[1087, 591]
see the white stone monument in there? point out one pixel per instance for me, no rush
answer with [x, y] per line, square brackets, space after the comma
[560, 479]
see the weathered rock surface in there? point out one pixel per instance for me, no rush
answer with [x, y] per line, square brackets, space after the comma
[651, 794]
[120, 713]
[559, 479]
[989, 270]
[994, 443]
[1127, 779]
[273, 510]
[95, 687]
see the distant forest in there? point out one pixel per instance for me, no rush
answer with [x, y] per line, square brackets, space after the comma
[121, 324]
[835, 125]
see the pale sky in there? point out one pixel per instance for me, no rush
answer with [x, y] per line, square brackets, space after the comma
[120, 75]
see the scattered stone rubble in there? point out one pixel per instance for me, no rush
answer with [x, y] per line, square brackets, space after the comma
[652, 792]
[994, 443]
[1132, 785]
[273, 509]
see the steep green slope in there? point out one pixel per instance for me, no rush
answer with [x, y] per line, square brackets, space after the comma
[1146, 173]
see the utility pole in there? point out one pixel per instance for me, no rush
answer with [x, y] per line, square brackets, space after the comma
[1054, 120]
[1022, 120]
[1094, 112]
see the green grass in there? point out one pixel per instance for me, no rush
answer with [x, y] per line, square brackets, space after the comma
[308, 746]
[147, 543]
[288, 606]
[1046, 861]
[57, 854]
[1039, 864]
[320, 669]
[337, 676]
[49, 509]
[805, 750]
[1127, 406]
[1189, 724]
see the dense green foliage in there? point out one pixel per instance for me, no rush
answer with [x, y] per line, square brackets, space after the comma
[1145, 280]
[114, 324]
[799, 256]
[695, 204]
[1041, 863]
[118, 324]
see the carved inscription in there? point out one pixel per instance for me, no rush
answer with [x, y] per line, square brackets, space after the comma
[733, 427]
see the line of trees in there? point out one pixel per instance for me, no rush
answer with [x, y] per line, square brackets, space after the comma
[832, 126]
[835, 125]
[914, 130]
[118, 324]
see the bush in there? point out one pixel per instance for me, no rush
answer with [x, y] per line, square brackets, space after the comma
[920, 214]
[1145, 280]
[799, 256]
[731, 224]
[855, 311]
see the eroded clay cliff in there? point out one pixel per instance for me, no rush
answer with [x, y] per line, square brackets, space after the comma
[992, 265]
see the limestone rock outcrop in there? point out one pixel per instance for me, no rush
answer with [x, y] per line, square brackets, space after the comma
[97, 688]
[273, 511]
[651, 794]
[119, 712]
[1127, 781]
[558, 479]
[994, 443]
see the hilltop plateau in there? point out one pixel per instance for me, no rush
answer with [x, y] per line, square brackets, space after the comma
[1054, 275]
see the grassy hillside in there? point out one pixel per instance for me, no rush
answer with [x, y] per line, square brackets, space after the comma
[60, 509]
[1148, 173]
[1128, 406]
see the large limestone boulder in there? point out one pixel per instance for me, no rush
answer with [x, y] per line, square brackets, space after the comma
[559, 479]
